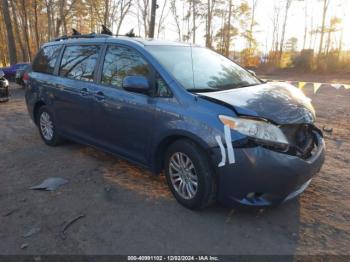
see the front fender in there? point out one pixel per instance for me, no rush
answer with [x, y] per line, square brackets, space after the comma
[201, 134]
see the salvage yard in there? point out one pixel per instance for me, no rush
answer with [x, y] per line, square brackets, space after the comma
[117, 208]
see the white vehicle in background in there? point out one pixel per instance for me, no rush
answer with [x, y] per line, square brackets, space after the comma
[4, 87]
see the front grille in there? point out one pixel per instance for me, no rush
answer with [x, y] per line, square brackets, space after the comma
[302, 139]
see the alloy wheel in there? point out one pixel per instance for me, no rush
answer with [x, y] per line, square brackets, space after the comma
[183, 175]
[46, 126]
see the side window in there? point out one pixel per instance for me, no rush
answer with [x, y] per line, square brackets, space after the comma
[46, 59]
[79, 62]
[162, 88]
[121, 62]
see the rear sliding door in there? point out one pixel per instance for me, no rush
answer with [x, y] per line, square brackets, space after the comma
[74, 92]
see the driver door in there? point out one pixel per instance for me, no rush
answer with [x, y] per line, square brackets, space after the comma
[123, 120]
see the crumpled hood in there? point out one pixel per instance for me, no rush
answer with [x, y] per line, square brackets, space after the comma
[280, 103]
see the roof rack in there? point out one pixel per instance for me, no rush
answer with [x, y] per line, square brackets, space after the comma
[75, 32]
[104, 33]
[92, 35]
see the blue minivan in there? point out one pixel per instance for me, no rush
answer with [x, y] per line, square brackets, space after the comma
[215, 130]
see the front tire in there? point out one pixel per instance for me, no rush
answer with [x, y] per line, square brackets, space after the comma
[47, 128]
[189, 175]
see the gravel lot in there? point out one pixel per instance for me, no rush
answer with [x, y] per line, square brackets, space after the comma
[127, 211]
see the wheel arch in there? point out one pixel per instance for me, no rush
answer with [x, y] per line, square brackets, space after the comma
[159, 152]
[37, 106]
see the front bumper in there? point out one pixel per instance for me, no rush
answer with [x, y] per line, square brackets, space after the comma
[262, 177]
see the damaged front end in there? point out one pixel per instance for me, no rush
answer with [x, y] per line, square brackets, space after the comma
[300, 140]
[278, 117]
[266, 175]
[277, 172]
[304, 139]
[277, 147]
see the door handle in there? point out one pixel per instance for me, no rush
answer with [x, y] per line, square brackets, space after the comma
[84, 91]
[100, 96]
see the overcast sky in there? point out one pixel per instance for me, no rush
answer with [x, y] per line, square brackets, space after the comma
[264, 13]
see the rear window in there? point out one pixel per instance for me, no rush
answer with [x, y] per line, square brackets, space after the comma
[79, 62]
[46, 59]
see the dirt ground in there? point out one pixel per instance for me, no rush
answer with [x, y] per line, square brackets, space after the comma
[290, 75]
[128, 211]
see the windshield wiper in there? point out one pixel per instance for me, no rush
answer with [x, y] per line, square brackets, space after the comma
[202, 90]
[221, 88]
[235, 86]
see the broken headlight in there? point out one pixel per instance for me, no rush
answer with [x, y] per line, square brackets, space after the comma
[261, 131]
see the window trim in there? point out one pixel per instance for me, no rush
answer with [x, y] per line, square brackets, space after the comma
[65, 46]
[100, 65]
[171, 92]
[58, 63]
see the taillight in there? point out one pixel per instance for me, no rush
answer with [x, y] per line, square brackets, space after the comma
[25, 76]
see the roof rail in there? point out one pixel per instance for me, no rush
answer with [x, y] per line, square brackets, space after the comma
[92, 35]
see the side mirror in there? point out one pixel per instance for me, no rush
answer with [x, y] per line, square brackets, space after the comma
[2, 74]
[252, 72]
[137, 84]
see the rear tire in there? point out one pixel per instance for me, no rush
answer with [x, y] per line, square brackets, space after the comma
[189, 174]
[47, 127]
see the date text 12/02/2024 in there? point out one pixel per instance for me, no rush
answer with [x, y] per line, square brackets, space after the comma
[173, 258]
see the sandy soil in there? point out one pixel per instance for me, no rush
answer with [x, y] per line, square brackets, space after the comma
[325, 206]
[127, 210]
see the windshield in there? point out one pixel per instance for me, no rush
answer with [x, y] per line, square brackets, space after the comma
[200, 69]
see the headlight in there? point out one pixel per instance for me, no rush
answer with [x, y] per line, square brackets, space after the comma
[259, 130]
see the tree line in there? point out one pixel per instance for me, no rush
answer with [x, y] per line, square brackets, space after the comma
[26, 24]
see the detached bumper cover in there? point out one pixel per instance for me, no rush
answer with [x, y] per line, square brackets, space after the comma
[263, 177]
